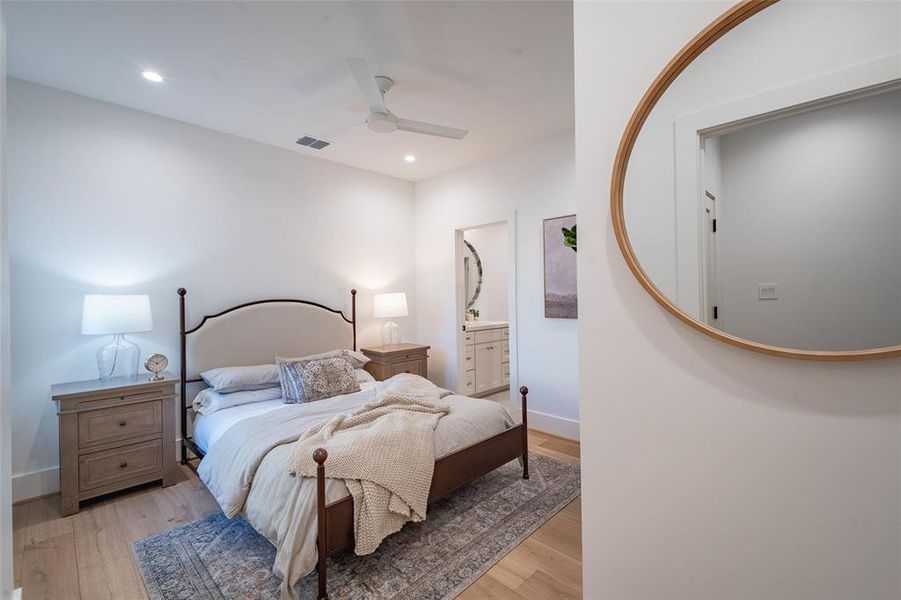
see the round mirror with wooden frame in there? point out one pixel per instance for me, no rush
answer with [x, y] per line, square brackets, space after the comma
[691, 305]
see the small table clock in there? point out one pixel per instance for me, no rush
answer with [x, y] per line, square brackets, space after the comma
[156, 364]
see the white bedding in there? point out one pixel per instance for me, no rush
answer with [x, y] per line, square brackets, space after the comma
[209, 428]
[247, 470]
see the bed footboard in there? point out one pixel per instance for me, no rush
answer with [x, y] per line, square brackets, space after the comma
[335, 521]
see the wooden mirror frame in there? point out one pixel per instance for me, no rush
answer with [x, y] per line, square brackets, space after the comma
[722, 25]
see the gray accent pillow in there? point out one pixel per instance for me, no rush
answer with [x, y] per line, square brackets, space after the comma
[227, 380]
[311, 379]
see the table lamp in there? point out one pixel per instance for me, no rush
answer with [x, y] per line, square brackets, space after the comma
[116, 315]
[386, 306]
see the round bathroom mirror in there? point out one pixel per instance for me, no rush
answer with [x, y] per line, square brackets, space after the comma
[757, 189]
[472, 274]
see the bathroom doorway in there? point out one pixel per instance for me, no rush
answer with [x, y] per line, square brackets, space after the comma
[486, 309]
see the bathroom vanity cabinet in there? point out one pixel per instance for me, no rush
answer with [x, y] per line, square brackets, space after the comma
[486, 358]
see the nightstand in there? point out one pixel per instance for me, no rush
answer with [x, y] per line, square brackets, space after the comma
[387, 361]
[114, 434]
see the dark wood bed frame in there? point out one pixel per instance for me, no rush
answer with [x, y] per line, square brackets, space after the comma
[336, 519]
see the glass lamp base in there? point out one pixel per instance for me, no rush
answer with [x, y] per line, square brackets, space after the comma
[118, 358]
[390, 335]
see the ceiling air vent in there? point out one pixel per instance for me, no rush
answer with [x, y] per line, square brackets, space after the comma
[312, 142]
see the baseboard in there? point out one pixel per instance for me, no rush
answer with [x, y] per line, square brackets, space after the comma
[45, 482]
[554, 425]
[36, 484]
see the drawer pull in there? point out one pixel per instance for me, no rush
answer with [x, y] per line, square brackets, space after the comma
[123, 465]
[122, 423]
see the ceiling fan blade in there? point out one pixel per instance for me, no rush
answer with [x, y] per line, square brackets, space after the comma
[431, 129]
[366, 82]
[328, 135]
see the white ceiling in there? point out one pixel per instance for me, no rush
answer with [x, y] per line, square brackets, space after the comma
[273, 71]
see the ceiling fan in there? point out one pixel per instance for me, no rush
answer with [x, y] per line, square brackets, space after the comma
[382, 120]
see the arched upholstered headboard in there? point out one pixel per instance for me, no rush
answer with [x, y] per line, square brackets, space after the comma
[255, 332]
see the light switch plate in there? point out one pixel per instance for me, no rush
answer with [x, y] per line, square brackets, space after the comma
[767, 291]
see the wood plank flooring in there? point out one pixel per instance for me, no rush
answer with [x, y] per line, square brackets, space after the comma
[88, 555]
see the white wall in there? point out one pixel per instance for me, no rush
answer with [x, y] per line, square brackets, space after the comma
[811, 202]
[491, 244]
[108, 199]
[710, 471]
[537, 182]
[6, 558]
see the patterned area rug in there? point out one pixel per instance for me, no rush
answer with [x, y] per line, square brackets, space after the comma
[462, 537]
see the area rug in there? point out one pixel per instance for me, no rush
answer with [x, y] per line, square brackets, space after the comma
[461, 538]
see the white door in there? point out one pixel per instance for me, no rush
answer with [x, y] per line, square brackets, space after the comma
[713, 310]
[489, 366]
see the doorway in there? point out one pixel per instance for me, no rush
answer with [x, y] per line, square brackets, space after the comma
[486, 309]
[711, 303]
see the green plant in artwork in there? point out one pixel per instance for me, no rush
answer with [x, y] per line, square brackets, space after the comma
[569, 237]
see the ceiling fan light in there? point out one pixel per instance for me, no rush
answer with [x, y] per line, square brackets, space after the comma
[381, 123]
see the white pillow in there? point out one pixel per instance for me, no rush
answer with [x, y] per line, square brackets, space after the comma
[227, 380]
[357, 359]
[209, 400]
[363, 375]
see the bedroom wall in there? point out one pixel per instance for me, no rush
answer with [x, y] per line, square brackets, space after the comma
[6, 547]
[109, 199]
[536, 182]
[710, 471]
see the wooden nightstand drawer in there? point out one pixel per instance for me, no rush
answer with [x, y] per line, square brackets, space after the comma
[109, 467]
[388, 361]
[119, 400]
[411, 366]
[119, 423]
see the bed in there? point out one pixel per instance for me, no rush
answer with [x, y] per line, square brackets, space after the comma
[312, 519]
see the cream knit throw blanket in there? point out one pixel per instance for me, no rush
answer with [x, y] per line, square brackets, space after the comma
[385, 453]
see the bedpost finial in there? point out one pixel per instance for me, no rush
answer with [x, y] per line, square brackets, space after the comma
[524, 390]
[182, 291]
[319, 455]
[353, 292]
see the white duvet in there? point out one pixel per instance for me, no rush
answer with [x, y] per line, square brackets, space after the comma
[246, 469]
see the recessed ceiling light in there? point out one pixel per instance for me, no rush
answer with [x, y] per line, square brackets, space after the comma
[152, 76]
[410, 158]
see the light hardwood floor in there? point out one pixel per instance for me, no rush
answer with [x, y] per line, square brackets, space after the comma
[88, 555]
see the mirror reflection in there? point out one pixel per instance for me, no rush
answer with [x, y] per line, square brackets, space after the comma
[472, 274]
[769, 206]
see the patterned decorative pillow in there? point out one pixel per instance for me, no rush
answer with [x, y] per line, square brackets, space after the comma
[311, 379]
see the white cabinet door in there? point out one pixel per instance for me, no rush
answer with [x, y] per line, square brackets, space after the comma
[489, 366]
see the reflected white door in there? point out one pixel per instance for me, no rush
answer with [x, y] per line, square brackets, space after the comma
[713, 314]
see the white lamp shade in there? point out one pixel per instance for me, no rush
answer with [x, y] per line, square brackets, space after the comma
[116, 313]
[386, 306]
